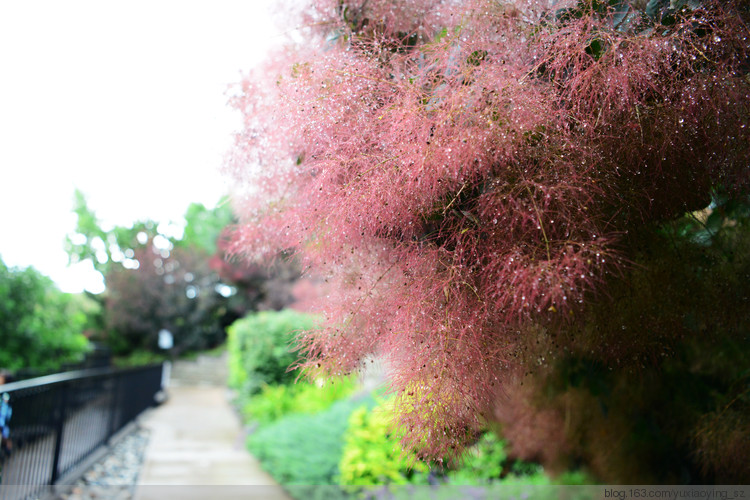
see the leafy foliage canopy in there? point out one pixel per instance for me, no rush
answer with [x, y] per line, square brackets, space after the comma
[40, 327]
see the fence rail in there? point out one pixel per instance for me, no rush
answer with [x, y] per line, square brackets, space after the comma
[58, 421]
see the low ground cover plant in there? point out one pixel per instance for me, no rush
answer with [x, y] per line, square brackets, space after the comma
[274, 402]
[305, 449]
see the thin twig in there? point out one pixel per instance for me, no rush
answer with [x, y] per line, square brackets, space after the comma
[541, 224]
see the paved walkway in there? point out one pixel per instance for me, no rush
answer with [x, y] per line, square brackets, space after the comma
[197, 449]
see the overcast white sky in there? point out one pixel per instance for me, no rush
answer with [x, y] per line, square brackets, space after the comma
[123, 100]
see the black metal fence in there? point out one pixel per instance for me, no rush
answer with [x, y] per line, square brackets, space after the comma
[99, 357]
[59, 420]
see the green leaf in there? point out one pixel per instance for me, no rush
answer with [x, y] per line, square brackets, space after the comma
[476, 57]
[715, 221]
[441, 34]
[596, 48]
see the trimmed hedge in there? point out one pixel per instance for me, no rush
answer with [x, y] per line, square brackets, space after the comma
[260, 348]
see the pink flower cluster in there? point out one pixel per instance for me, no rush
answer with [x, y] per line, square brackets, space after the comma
[454, 169]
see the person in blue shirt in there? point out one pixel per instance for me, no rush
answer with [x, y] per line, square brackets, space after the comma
[6, 412]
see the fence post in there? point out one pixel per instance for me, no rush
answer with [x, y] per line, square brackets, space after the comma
[60, 413]
[114, 405]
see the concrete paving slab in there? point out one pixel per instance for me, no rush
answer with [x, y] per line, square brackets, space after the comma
[197, 450]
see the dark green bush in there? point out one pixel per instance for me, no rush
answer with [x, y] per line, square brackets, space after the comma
[260, 348]
[140, 357]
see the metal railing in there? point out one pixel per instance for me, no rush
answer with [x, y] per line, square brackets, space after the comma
[99, 357]
[60, 420]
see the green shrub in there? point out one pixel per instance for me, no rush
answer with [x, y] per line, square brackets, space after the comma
[487, 462]
[259, 348]
[40, 326]
[140, 357]
[305, 449]
[372, 455]
[349, 444]
[482, 463]
[276, 401]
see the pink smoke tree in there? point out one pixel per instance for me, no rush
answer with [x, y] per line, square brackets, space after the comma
[466, 174]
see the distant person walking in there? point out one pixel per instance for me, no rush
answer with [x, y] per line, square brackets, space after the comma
[6, 445]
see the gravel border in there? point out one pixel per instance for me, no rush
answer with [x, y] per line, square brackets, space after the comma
[115, 475]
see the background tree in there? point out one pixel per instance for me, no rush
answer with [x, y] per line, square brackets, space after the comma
[160, 277]
[40, 327]
[156, 277]
[115, 246]
[481, 182]
[173, 290]
[258, 287]
[204, 226]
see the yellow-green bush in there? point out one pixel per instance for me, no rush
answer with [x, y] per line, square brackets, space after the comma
[276, 401]
[372, 454]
